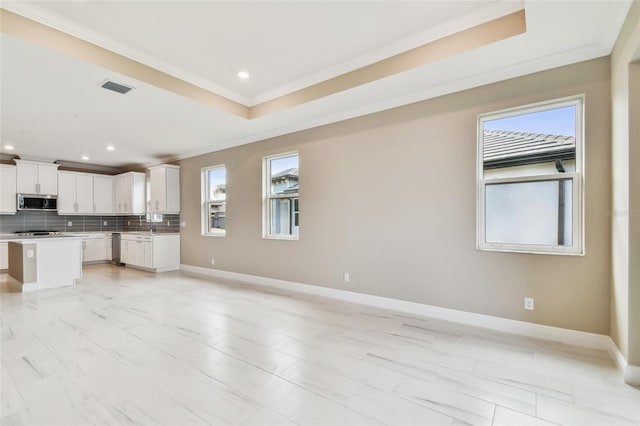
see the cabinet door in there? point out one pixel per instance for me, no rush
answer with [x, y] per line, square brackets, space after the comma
[84, 193]
[148, 255]
[27, 178]
[123, 194]
[124, 251]
[139, 250]
[7, 189]
[67, 193]
[126, 193]
[94, 249]
[103, 194]
[158, 190]
[165, 189]
[48, 179]
[117, 194]
[173, 190]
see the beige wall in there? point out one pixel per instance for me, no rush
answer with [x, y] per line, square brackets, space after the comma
[625, 283]
[390, 198]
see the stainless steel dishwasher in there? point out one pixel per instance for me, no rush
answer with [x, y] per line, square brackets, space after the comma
[115, 248]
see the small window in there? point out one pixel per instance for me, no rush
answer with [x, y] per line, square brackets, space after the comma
[214, 204]
[281, 203]
[530, 178]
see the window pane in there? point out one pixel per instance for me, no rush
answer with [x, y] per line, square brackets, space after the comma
[214, 205]
[530, 144]
[217, 216]
[281, 216]
[529, 212]
[217, 181]
[284, 175]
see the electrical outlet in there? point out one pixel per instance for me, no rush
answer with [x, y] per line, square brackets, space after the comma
[183, 224]
[168, 223]
[346, 277]
[213, 261]
[528, 303]
[69, 223]
[105, 223]
[128, 223]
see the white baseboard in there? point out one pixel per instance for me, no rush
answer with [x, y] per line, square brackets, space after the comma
[632, 375]
[563, 335]
[630, 372]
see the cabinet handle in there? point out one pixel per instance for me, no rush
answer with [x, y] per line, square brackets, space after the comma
[37, 188]
[157, 205]
[75, 207]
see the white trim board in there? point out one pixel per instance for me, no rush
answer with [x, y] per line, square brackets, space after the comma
[562, 335]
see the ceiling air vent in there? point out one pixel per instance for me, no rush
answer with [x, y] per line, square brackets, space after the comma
[120, 88]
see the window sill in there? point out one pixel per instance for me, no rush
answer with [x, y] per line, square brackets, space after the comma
[281, 237]
[218, 235]
[555, 251]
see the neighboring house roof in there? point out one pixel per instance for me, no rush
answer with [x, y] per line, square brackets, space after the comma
[293, 172]
[292, 189]
[506, 149]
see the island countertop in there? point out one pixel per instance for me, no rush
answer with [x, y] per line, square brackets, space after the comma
[14, 237]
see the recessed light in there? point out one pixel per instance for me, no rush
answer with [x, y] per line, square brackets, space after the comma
[9, 147]
[110, 148]
[85, 157]
[244, 75]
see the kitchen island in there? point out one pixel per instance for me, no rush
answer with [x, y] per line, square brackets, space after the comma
[43, 262]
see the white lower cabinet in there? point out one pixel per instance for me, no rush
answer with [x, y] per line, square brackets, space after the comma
[136, 251]
[94, 248]
[158, 253]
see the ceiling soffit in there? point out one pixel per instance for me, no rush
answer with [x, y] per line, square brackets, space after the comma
[480, 35]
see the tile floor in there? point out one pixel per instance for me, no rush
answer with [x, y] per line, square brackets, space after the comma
[130, 347]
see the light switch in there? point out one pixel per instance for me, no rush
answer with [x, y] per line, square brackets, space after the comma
[29, 253]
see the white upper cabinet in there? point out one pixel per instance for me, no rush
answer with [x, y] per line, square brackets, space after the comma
[130, 193]
[103, 194]
[66, 193]
[7, 189]
[165, 189]
[84, 193]
[34, 177]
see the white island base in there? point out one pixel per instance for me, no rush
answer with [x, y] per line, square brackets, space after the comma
[43, 263]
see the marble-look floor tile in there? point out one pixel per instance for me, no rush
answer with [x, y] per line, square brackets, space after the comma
[507, 417]
[490, 391]
[355, 368]
[267, 417]
[567, 413]
[130, 347]
[459, 406]
[11, 400]
[532, 380]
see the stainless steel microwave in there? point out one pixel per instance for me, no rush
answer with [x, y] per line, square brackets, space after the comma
[37, 202]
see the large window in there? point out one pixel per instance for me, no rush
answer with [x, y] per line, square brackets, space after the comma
[214, 204]
[530, 178]
[280, 193]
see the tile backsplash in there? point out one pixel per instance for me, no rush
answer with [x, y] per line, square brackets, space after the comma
[50, 221]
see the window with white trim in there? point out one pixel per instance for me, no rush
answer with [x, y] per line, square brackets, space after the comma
[530, 178]
[280, 196]
[214, 201]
